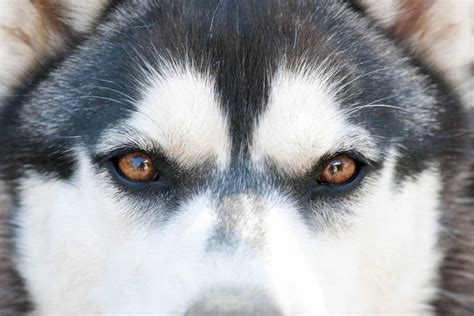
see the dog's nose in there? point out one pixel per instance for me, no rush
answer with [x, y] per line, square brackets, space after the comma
[232, 303]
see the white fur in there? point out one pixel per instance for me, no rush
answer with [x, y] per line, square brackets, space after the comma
[303, 122]
[85, 255]
[179, 112]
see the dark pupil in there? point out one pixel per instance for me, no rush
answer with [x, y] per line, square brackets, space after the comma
[138, 162]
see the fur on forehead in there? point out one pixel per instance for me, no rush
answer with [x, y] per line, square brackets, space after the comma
[242, 60]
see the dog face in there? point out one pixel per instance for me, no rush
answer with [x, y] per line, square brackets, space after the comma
[235, 157]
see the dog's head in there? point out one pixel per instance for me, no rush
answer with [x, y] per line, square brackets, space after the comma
[231, 157]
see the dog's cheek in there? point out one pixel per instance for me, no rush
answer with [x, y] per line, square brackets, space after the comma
[68, 225]
[395, 237]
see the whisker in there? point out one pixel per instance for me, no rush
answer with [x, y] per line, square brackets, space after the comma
[104, 98]
[373, 102]
[129, 98]
[340, 88]
[368, 106]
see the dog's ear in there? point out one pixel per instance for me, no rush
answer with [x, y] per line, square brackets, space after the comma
[32, 31]
[440, 32]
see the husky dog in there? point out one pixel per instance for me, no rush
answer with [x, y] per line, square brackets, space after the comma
[235, 157]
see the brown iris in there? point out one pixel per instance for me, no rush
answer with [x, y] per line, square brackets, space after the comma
[137, 166]
[338, 170]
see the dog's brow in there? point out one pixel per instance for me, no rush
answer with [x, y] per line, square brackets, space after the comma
[123, 138]
[179, 113]
[303, 123]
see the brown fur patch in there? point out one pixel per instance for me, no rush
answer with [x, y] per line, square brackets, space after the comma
[51, 18]
[410, 14]
[438, 32]
[52, 33]
[32, 34]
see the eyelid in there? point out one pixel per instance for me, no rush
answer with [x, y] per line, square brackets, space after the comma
[160, 160]
[105, 153]
[105, 156]
[356, 155]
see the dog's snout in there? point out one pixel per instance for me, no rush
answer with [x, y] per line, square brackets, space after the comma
[233, 303]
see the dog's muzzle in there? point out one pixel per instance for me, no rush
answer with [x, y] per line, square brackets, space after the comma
[232, 303]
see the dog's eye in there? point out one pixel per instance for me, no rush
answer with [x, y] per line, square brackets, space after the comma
[137, 166]
[339, 170]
